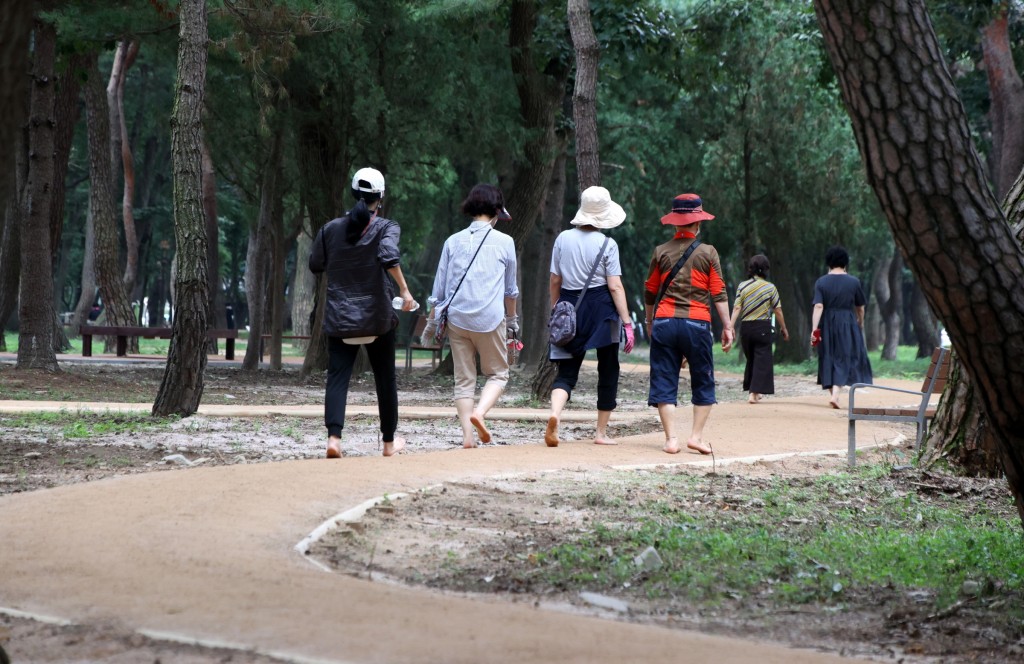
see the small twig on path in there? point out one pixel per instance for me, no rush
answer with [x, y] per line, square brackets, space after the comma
[950, 610]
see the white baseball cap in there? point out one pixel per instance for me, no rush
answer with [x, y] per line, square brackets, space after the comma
[369, 180]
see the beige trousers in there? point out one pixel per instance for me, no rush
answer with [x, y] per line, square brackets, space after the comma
[493, 352]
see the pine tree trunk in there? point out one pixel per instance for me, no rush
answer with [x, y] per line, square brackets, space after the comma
[915, 140]
[35, 309]
[303, 285]
[892, 307]
[88, 282]
[106, 236]
[127, 51]
[182, 386]
[584, 98]
[1006, 112]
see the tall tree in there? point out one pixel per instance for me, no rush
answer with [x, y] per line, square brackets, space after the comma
[1006, 113]
[182, 385]
[35, 309]
[584, 98]
[121, 153]
[106, 236]
[914, 137]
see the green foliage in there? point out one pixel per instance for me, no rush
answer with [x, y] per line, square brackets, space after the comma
[89, 424]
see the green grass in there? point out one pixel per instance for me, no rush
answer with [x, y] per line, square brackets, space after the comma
[88, 424]
[780, 545]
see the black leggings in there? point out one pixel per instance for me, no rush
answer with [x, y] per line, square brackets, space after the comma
[342, 357]
[607, 375]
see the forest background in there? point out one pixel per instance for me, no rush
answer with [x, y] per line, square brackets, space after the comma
[733, 99]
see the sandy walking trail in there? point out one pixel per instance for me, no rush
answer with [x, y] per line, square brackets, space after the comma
[208, 553]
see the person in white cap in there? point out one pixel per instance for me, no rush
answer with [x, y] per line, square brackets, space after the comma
[584, 257]
[358, 252]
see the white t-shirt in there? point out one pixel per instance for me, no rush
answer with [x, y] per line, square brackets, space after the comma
[573, 257]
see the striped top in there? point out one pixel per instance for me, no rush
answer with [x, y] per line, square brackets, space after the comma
[756, 299]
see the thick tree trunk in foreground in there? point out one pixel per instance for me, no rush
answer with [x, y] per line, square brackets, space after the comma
[35, 308]
[1006, 113]
[106, 236]
[182, 386]
[584, 98]
[913, 135]
[959, 432]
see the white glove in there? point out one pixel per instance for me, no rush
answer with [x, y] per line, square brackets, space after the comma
[512, 323]
[427, 338]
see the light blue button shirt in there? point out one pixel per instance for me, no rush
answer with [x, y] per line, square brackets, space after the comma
[479, 304]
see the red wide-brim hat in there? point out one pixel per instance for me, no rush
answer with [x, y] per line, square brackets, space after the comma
[686, 209]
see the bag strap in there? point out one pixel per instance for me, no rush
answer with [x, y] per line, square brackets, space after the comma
[479, 247]
[672, 275]
[593, 269]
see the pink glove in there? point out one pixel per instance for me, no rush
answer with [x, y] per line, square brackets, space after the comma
[630, 339]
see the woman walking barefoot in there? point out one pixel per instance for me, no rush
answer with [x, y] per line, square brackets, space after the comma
[358, 251]
[584, 258]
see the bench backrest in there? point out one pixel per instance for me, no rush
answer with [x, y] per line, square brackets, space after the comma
[938, 372]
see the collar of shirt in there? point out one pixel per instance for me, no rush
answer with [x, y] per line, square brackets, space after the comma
[477, 225]
[683, 233]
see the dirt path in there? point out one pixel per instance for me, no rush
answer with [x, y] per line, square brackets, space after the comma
[208, 554]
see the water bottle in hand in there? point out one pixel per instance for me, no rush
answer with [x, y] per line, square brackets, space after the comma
[397, 304]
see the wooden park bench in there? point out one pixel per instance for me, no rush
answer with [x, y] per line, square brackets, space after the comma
[934, 383]
[124, 333]
[414, 344]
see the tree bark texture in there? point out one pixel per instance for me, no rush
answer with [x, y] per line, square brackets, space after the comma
[540, 101]
[959, 432]
[15, 28]
[35, 308]
[106, 233]
[302, 285]
[66, 112]
[1006, 113]
[913, 134]
[584, 98]
[10, 256]
[121, 152]
[88, 282]
[182, 385]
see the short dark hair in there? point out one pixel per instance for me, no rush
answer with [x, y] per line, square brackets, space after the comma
[758, 266]
[483, 199]
[837, 257]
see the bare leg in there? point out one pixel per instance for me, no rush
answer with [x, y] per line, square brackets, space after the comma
[834, 401]
[700, 418]
[333, 447]
[602, 423]
[488, 397]
[667, 413]
[559, 398]
[394, 447]
[464, 408]
[754, 397]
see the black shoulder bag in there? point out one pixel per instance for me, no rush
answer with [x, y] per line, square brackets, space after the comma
[562, 326]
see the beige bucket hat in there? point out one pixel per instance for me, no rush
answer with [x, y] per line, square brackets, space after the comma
[597, 209]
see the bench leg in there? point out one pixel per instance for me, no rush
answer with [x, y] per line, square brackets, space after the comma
[86, 345]
[851, 453]
[229, 349]
[122, 346]
[408, 358]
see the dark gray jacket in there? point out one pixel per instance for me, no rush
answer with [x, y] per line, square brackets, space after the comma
[359, 290]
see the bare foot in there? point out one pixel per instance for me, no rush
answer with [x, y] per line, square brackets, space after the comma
[333, 448]
[604, 440]
[551, 432]
[671, 446]
[834, 404]
[481, 428]
[754, 398]
[469, 444]
[394, 447]
[698, 446]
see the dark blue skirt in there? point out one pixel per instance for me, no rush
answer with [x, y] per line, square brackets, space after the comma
[597, 322]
